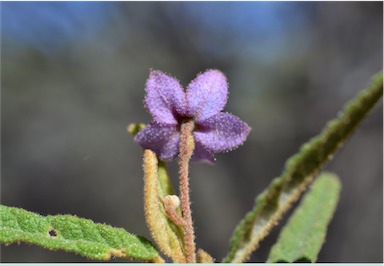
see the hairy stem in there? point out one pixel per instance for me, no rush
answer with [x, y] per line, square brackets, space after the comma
[187, 146]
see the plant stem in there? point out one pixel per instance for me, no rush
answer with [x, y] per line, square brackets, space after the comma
[187, 146]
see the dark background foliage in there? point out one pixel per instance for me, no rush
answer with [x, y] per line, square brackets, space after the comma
[73, 76]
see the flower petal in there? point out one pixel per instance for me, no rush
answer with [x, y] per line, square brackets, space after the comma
[164, 98]
[161, 139]
[202, 154]
[222, 132]
[207, 94]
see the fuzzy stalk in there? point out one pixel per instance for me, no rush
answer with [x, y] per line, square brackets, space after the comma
[187, 145]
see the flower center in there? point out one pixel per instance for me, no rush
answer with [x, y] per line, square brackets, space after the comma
[183, 120]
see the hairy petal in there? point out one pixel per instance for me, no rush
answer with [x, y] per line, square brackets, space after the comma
[164, 97]
[161, 139]
[222, 132]
[207, 95]
[202, 154]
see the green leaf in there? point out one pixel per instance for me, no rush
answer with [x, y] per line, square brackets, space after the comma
[73, 234]
[166, 187]
[299, 172]
[301, 239]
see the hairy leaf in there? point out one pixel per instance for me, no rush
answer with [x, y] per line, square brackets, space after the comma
[157, 185]
[301, 239]
[168, 236]
[73, 234]
[204, 257]
[299, 171]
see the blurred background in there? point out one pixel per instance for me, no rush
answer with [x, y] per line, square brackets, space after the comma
[73, 76]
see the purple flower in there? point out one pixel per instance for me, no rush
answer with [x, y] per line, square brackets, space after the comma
[203, 101]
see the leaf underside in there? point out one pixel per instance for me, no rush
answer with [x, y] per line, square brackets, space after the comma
[301, 239]
[73, 234]
[167, 235]
[299, 171]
